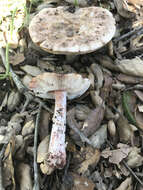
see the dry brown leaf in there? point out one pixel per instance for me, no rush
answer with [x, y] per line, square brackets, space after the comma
[106, 89]
[81, 112]
[93, 121]
[16, 59]
[131, 66]
[116, 156]
[82, 183]
[72, 121]
[43, 149]
[96, 69]
[112, 128]
[28, 128]
[126, 185]
[8, 168]
[99, 137]
[92, 158]
[13, 100]
[122, 9]
[125, 131]
[31, 70]
[129, 79]
[134, 158]
[23, 172]
[136, 2]
[26, 80]
[139, 94]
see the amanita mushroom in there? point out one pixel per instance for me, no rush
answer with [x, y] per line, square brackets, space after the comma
[58, 31]
[58, 86]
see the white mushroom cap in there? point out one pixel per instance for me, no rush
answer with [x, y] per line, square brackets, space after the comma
[58, 31]
[46, 84]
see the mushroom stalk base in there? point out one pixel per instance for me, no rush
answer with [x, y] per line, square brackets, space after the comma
[57, 146]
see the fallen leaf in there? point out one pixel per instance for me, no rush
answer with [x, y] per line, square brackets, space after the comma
[99, 137]
[122, 9]
[129, 79]
[31, 70]
[139, 94]
[13, 100]
[82, 183]
[126, 184]
[112, 128]
[134, 158]
[82, 112]
[92, 158]
[107, 87]
[43, 149]
[23, 173]
[131, 66]
[28, 128]
[116, 156]
[136, 2]
[124, 130]
[8, 168]
[93, 121]
[16, 59]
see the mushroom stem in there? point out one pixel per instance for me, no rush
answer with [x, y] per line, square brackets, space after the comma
[57, 146]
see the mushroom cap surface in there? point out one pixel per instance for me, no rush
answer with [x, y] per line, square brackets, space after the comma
[44, 85]
[58, 31]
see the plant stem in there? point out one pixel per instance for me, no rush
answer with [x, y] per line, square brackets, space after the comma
[12, 22]
[57, 146]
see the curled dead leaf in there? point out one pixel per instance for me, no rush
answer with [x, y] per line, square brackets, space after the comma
[93, 121]
[92, 158]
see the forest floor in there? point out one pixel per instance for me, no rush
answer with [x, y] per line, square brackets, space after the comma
[104, 130]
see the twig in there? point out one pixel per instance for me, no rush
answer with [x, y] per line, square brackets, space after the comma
[126, 165]
[132, 32]
[36, 176]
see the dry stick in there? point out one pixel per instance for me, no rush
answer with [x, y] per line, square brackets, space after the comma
[36, 176]
[126, 165]
[132, 32]
[21, 88]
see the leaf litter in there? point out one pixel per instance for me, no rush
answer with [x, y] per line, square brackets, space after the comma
[104, 126]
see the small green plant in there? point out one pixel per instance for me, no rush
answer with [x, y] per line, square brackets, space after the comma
[12, 21]
[76, 3]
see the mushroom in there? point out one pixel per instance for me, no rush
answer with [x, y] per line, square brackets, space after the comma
[58, 86]
[58, 31]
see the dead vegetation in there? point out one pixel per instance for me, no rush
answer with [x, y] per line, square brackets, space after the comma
[104, 126]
